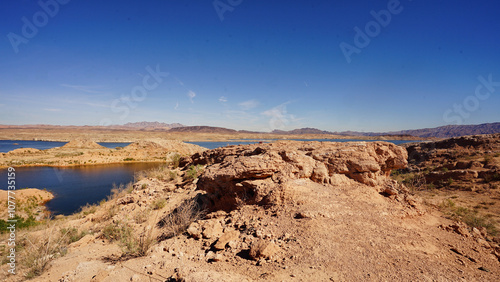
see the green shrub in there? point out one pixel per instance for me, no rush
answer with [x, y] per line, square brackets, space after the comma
[193, 172]
[175, 160]
[21, 223]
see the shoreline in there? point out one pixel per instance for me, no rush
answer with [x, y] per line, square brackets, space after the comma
[75, 165]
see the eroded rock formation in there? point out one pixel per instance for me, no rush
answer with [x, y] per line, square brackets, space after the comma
[259, 173]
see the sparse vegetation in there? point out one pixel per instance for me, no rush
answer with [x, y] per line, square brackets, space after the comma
[22, 223]
[38, 250]
[193, 172]
[161, 173]
[415, 181]
[88, 209]
[175, 160]
[180, 218]
[72, 234]
[159, 204]
[141, 216]
[487, 159]
[128, 159]
[468, 216]
[117, 231]
[123, 233]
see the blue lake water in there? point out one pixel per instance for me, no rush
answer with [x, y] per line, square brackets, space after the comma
[9, 145]
[74, 187]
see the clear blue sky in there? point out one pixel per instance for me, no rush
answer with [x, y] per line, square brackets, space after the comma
[251, 64]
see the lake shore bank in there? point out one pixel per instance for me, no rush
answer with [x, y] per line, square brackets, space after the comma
[80, 152]
[108, 135]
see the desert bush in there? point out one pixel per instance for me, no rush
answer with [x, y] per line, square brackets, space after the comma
[142, 216]
[175, 160]
[121, 190]
[22, 223]
[177, 221]
[72, 234]
[138, 246]
[469, 216]
[159, 173]
[123, 233]
[172, 175]
[415, 181]
[159, 204]
[193, 172]
[39, 250]
[117, 231]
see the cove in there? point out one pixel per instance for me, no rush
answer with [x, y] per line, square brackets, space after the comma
[76, 186]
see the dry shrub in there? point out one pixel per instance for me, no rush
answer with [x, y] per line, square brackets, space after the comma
[132, 245]
[38, 250]
[142, 216]
[179, 219]
[175, 160]
[161, 173]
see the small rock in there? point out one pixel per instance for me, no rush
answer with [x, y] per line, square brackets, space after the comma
[212, 229]
[263, 249]
[227, 237]
[194, 230]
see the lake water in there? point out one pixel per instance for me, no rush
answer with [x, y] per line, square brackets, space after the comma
[74, 187]
[9, 145]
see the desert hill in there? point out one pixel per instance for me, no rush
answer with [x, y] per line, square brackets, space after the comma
[283, 211]
[440, 132]
[203, 129]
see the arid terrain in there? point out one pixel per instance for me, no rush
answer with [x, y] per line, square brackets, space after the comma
[284, 211]
[104, 134]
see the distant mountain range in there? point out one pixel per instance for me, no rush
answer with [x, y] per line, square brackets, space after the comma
[440, 132]
[148, 125]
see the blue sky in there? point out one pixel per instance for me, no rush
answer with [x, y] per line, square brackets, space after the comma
[255, 65]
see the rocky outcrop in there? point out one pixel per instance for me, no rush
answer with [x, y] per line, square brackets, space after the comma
[259, 173]
[471, 160]
[165, 146]
[82, 144]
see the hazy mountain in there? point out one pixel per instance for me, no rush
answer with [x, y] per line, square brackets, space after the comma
[441, 132]
[204, 129]
[152, 125]
[453, 130]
